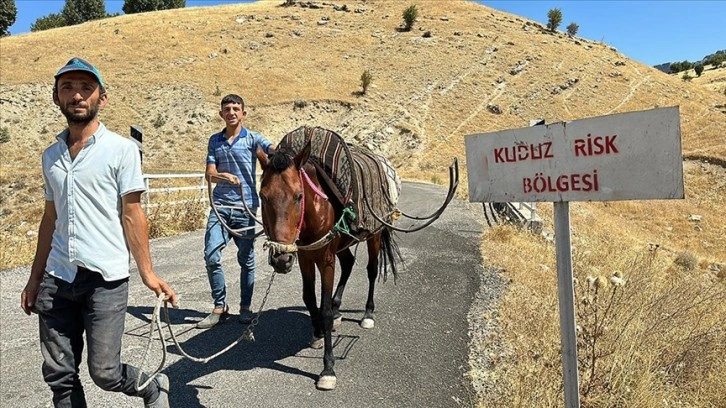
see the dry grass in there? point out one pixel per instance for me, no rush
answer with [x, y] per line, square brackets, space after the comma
[175, 214]
[658, 339]
[711, 78]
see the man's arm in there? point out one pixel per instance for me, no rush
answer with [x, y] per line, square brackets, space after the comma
[45, 238]
[213, 176]
[136, 230]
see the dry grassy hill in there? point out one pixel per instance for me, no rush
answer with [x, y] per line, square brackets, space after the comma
[301, 65]
[711, 78]
[166, 71]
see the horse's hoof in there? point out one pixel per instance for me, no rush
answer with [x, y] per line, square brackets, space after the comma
[326, 382]
[337, 322]
[317, 343]
[367, 323]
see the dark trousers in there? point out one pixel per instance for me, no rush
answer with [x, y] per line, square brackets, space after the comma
[97, 307]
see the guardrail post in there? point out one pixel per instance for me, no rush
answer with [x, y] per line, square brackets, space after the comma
[146, 195]
[202, 186]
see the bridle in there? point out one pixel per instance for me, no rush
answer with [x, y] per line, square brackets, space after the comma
[278, 248]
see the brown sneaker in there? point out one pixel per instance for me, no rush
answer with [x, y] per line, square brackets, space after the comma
[213, 318]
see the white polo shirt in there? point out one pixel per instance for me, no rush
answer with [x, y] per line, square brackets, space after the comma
[87, 195]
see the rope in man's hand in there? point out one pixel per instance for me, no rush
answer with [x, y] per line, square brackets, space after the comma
[156, 324]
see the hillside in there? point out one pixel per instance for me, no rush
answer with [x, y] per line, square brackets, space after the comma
[166, 71]
[711, 78]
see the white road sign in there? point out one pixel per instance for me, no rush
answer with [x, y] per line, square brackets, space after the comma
[634, 155]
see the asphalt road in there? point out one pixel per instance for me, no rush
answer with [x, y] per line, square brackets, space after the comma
[416, 356]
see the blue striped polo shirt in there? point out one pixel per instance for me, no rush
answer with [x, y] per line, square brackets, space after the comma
[238, 158]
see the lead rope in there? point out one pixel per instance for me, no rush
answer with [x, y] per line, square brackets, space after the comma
[156, 324]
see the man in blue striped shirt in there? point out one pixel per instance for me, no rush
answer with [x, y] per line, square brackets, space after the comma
[231, 163]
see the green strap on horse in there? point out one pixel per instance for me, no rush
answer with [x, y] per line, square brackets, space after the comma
[343, 224]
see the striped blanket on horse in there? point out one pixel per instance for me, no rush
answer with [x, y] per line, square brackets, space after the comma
[361, 179]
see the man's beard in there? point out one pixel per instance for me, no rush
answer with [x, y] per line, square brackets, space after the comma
[80, 118]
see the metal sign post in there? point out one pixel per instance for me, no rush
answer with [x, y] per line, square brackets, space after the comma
[627, 156]
[566, 295]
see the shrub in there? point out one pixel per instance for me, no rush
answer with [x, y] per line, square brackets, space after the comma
[409, 17]
[699, 69]
[686, 261]
[686, 77]
[160, 121]
[554, 19]
[4, 135]
[572, 29]
[52, 20]
[675, 318]
[365, 80]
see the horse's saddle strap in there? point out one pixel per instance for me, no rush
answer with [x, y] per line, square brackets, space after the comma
[324, 177]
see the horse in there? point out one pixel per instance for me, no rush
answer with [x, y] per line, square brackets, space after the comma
[299, 219]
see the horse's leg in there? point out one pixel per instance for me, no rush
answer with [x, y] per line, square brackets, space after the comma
[326, 265]
[347, 260]
[374, 249]
[307, 271]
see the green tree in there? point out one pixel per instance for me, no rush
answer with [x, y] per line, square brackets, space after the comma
[680, 66]
[8, 14]
[52, 20]
[141, 6]
[572, 29]
[80, 11]
[409, 17]
[554, 19]
[715, 60]
[699, 69]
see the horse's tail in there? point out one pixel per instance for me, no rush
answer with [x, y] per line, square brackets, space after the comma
[389, 252]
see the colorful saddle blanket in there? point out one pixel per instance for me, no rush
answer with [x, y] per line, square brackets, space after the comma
[365, 181]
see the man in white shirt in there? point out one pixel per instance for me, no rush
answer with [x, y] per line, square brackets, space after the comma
[93, 217]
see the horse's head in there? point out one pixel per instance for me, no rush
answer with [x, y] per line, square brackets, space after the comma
[287, 194]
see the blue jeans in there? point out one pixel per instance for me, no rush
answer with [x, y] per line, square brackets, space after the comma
[65, 311]
[215, 240]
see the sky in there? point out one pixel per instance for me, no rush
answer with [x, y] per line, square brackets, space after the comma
[652, 32]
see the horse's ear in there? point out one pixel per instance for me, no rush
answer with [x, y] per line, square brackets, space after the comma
[302, 157]
[262, 157]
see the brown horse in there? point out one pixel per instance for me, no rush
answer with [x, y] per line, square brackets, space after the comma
[300, 221]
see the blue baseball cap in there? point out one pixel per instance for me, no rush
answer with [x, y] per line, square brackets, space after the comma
[79, 64]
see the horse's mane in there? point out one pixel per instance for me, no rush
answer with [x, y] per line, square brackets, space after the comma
[281, 159]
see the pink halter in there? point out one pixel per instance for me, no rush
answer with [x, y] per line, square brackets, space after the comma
[305, 179]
